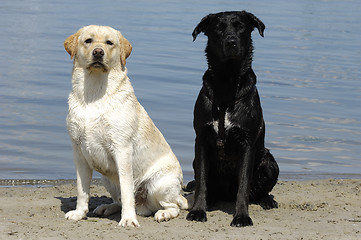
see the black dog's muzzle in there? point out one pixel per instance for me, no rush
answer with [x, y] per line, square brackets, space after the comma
[231, 46]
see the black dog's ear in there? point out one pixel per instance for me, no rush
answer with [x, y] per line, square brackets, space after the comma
[202, 26]
[256, 23]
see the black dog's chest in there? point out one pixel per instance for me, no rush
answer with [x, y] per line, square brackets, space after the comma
[224, 122]
[233, 130]
[222, 125]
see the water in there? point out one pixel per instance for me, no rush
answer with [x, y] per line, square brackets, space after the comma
[308, 68]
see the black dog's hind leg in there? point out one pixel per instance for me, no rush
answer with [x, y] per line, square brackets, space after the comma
[264, 179]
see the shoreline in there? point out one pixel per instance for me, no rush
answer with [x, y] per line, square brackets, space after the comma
[313, 209]
[284, 176]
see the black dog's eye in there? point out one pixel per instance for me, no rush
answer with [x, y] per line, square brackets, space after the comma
[89, 40]
[222, 26]
[110, 43]
[238, 25]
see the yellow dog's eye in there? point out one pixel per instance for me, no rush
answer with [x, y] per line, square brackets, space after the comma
[110, 43]
[89, 40]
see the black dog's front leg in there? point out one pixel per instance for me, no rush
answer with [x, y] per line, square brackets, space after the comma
[241, 216]
[198, 211]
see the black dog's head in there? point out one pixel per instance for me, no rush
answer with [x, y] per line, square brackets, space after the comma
[229, 34]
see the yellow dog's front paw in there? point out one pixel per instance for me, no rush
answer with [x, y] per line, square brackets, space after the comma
[75, 215]
[128, 222]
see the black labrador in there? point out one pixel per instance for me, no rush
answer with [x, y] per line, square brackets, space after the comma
[231, 162]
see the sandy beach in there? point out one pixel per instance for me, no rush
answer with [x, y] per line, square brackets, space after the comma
[321, 209]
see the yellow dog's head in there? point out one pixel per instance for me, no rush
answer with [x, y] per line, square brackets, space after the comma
[98, 48]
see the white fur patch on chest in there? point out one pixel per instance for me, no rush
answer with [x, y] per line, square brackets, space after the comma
[227, 123]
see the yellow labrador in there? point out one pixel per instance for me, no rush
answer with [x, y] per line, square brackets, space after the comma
[112, 134]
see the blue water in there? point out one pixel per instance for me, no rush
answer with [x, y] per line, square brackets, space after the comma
[308, 67]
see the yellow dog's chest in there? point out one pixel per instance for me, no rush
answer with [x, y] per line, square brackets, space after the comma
[88, 131]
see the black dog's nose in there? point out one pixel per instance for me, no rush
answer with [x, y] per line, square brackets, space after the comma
[231, 42]
[98, 52]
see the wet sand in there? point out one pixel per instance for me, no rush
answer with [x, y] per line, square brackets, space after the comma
[317, 209]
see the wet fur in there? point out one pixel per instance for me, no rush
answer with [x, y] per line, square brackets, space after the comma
[231, 162]
[113, 134]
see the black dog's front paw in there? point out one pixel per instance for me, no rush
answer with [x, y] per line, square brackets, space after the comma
[197, 215]
[241, 221]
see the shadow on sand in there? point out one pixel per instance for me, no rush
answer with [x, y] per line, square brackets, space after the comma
[68, 204]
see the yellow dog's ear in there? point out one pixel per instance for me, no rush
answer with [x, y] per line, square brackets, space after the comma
[125, 49]
[71, 44]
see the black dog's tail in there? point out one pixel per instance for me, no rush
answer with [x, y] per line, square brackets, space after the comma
[191, 186]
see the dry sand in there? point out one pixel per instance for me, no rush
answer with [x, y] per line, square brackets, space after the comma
[322, 209]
